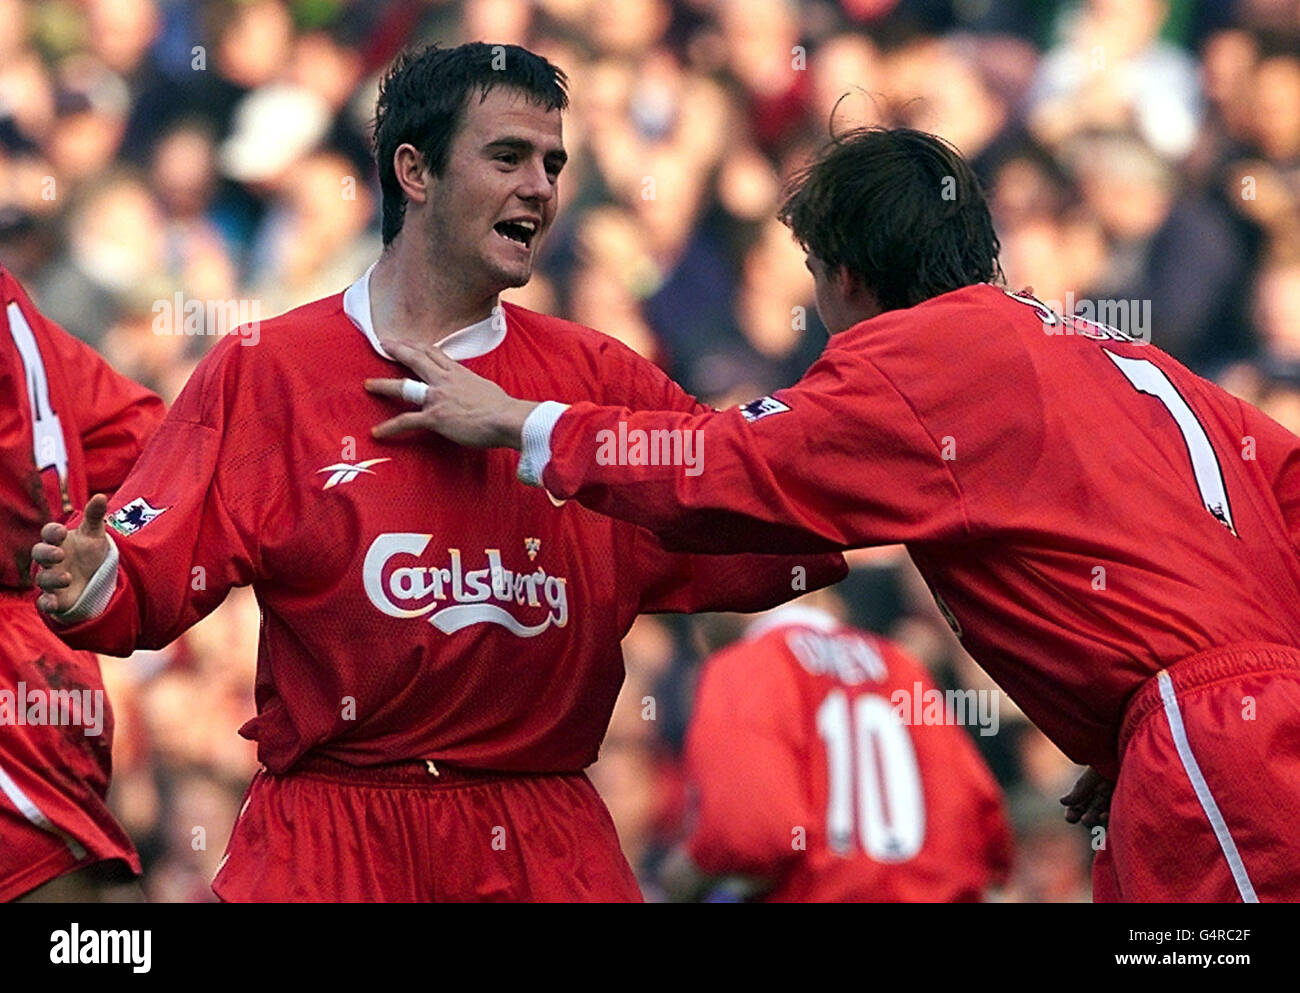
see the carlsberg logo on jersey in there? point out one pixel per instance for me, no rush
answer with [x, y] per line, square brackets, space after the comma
[455, 598]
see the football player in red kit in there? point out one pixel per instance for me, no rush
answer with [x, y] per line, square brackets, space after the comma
[439, 653]
[1113, 538]
[69, 425]
[813, 782]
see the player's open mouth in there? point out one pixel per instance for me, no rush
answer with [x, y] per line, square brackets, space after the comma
[520, 232]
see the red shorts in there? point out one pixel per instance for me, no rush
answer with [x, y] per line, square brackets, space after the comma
[1207, 805]
[53, 775]
[327, 832]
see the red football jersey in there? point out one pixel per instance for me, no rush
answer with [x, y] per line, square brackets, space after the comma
[810, 770]
[416, 603]
[69, 426]
[1085, 509]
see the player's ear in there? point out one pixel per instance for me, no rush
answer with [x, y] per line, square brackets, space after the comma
[861, 298]
[846, 282]
[412, 175]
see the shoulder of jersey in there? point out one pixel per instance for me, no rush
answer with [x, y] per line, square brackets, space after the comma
[562, 332]
[309, 320]
[306, 329]
[971, 311]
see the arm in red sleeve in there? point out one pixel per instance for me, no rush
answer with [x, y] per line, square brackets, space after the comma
[116, 416]
[992, 836]
[843, 462]
[193, 507]
[69, 426]
[678, 582]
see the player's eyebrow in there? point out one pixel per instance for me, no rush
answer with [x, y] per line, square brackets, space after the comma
[555, 157]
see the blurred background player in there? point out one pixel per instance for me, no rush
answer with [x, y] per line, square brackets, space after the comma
[440, 648]
[807, 785]
[69, 425]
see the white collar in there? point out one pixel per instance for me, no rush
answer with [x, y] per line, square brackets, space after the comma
[791, 615]
[467, 343]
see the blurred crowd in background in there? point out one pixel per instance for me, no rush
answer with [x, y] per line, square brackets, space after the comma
[1133, 150]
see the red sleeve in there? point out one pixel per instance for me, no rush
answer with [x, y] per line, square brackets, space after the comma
[201, 488]
[843, 462]
[679, 582]
[685, 583]
[69, 425]
[742, 754]
[116, 416]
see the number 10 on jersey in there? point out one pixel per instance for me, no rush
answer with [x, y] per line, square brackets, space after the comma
[870, 758]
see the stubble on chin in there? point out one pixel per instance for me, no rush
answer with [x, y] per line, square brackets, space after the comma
[510, 277]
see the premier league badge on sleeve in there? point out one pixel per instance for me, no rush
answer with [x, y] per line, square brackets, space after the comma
[133, 516]
[756, 410]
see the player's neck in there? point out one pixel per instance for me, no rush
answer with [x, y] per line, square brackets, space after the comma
[412, 300]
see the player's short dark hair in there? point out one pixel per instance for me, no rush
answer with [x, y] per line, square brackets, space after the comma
[900, 208]
[422, 100]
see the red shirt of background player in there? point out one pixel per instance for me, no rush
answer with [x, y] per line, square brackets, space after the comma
[806, 776]
[69, 426]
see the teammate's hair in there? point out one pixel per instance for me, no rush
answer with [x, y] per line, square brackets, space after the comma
[422, 100]
[900, 208]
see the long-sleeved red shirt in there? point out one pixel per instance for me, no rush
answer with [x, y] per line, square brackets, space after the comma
[415, 602]
[821, 764]
[70, 426]
[1085, 509]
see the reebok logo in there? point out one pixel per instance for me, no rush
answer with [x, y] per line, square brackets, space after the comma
[344, 472]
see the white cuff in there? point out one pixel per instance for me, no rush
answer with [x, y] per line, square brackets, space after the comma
[536, 453]
[94, 598]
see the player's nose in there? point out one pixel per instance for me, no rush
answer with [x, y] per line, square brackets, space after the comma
[536, 185]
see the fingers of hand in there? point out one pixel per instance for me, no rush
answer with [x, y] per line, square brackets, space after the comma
[1098, 811]
[51, 579]
[47, 602]
[1083, 787]
[425, 360]
[430, 353]
[54, 533]
[96, 510]
[1078, 794]
[385, 387]
[47, 555]
[410, 421]
[1088, 801]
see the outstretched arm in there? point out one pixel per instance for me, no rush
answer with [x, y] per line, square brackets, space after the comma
[185, 525]
[839, 460]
